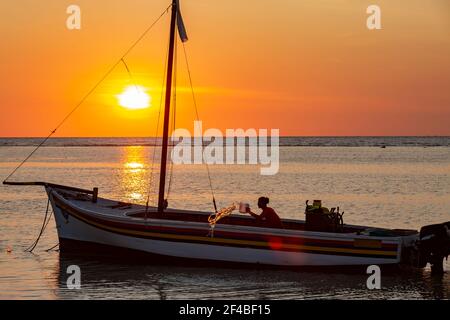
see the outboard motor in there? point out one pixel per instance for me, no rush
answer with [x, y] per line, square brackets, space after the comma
[434, 245]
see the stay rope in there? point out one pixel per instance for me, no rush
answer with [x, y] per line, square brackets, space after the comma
[198, 119]
[110, 70]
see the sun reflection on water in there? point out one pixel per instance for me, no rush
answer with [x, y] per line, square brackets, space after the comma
[134, 166]
[134, 175]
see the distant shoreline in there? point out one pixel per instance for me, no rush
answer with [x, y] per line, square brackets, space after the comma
[286, 141]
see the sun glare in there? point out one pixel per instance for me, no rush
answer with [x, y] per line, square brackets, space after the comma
[134, 97]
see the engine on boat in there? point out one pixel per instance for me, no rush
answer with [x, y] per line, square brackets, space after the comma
[434, 245]
[322, 219]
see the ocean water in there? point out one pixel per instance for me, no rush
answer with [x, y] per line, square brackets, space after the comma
[405, 185]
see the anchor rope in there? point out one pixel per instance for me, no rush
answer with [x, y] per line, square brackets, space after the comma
[44, 225]
[50, 249]
[105, 75]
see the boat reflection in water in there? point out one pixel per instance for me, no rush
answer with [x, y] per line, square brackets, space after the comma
[109, 278]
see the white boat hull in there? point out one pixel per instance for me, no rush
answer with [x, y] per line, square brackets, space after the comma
[70, 227]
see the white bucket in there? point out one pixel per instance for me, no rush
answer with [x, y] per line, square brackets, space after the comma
[243, 207]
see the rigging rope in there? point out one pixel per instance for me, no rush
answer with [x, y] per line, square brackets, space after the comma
[198, 119]
[137, 91]
[131, 76]
[111, 69]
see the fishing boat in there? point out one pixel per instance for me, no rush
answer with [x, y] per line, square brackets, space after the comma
[85, 220]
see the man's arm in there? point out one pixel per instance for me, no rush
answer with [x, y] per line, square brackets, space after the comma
[254, 215]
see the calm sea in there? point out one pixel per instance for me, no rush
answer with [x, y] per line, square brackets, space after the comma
[404, 185]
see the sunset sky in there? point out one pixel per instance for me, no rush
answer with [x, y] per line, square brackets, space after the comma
[307, 67]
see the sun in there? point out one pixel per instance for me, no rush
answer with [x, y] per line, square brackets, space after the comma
[134, 97]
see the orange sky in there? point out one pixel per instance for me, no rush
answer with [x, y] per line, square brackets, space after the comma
[306, 67]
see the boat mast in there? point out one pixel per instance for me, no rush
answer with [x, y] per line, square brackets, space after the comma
[162, 178]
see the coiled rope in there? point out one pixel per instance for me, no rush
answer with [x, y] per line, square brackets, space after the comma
[215, 217]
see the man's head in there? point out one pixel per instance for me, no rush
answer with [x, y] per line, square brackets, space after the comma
[263, 202]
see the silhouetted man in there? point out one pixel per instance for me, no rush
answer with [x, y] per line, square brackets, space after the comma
[268, 217]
